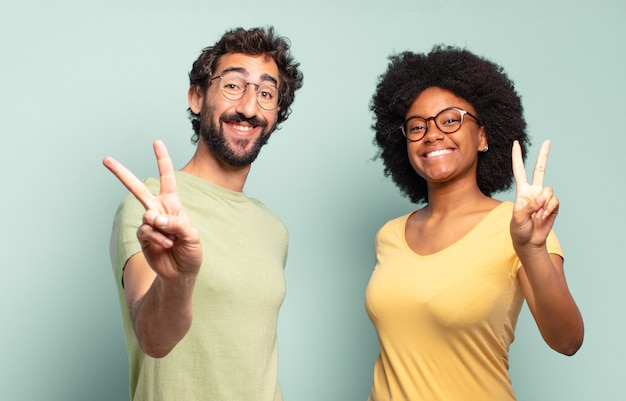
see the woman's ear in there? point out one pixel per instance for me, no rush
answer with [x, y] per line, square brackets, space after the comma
[483, 144]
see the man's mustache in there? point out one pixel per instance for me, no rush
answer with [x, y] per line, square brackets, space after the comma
[238, 118]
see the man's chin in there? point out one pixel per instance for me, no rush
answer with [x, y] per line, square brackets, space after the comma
[235, 151]
[240, 158]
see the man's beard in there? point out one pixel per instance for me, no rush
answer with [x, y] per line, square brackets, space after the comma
[213, 136]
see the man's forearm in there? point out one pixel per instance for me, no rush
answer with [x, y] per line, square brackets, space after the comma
[162, 317]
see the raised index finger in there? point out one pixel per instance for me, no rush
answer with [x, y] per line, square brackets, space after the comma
[519, 171]
[540, 165]
[166, 168]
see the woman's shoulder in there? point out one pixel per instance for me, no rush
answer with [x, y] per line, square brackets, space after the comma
[395, 225]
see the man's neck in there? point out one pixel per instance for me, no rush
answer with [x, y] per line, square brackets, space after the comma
[204, 164]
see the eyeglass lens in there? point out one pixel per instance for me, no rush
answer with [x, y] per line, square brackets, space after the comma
[233, 87]
[448, 121]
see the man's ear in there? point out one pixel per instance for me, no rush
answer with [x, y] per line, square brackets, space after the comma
[195, 98]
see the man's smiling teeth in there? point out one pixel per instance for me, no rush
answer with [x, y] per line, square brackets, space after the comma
[242, 127]
[438, 152]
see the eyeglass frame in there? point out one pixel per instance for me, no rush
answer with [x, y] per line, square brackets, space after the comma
[434, 118]
[256, 91]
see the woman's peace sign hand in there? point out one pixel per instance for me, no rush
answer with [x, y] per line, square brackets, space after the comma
[535, 207]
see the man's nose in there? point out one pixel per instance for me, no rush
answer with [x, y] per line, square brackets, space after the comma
[248, 105]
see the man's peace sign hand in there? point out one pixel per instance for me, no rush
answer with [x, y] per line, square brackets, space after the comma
[535, 207]
[170, 243]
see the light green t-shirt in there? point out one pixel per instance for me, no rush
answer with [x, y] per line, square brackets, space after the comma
[230, 352]
[445, 321]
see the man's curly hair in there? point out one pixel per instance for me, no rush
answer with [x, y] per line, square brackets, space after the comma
[479, 81]
[253, 42]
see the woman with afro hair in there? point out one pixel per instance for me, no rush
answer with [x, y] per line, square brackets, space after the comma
[450, 278]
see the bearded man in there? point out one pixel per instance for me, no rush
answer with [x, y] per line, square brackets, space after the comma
[200, 266]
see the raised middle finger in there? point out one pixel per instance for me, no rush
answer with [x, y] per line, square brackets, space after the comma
[130, 181]
[540, 166]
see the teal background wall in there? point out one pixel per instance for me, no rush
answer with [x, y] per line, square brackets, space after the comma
[83, 79]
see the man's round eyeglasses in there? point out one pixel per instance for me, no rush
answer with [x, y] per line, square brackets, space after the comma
[447, 120]
[234, 87]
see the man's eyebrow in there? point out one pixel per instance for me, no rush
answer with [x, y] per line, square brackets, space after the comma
[235, 69]
[243, 71]
[268, 77]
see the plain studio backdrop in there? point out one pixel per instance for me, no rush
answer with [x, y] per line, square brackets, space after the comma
[81, 80]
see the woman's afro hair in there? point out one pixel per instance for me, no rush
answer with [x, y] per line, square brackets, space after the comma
[477, 80]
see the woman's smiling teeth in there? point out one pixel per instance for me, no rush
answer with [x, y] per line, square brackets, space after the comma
[438, 152]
